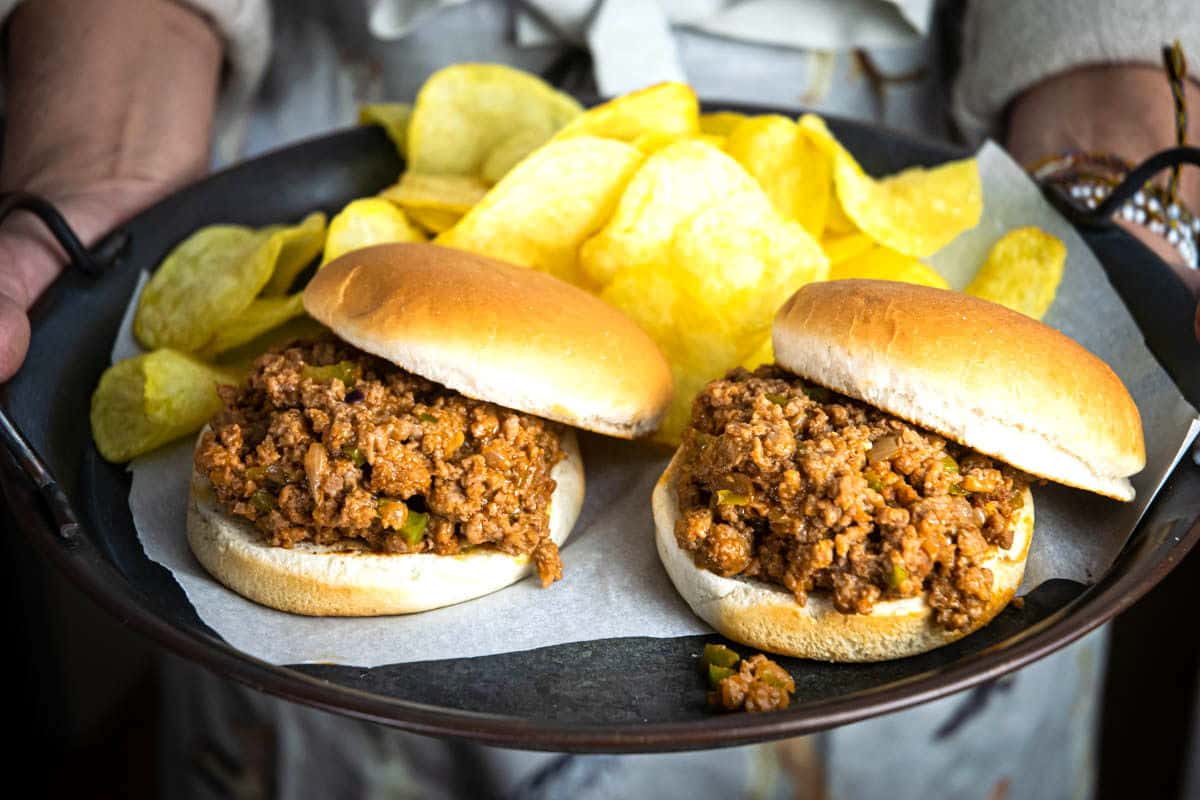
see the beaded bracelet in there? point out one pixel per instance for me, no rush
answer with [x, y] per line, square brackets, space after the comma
[1088, 178]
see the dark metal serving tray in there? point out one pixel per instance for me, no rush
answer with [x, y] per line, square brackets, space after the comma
[620, 695]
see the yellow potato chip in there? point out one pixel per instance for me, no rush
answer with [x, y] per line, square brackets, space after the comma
[795, 173]
[264, 314]
[763, 354]
[364, 222]
[242, 357]
[655, 300]
[541, 212]
[1022, 271]
[884, 264]
[721, 123]
[434, 220]
[508, 154]
[464, 112]
[653, 141]
[456, 194]
[298, 246]
[657, 113]
[394, 117]
[840, 248]
[207, 280]
[836, 221]
[670, 187]
[745, 263]
[915, 212]
[144, 402]
[704, 282]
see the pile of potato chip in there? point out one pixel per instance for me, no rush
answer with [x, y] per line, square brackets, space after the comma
[698, 226]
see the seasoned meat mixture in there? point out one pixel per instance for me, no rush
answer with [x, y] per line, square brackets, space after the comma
[759, 685]
[324, 443]
[790, 483]
[753, 684]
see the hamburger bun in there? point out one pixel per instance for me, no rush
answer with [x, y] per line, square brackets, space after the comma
[973, 371]
[496, 332]
[766, 616]
[338, 582]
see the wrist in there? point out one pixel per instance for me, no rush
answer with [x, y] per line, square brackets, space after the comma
[31, 259]
[119, 91]
[1123, 110]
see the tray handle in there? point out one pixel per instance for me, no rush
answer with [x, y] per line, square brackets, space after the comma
[91, 263]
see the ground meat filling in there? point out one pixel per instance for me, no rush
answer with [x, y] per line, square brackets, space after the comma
[759, 685]
[790, 483]
[323, 443]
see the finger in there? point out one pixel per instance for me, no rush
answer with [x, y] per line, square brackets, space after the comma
[29, 260]
[14, 336]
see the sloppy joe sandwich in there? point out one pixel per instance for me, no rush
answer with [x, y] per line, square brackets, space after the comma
[867, 496]
[423, 454]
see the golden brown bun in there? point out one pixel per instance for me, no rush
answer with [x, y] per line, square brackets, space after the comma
[974, 371]
[496, 332]
[337, 582]
[767, 617]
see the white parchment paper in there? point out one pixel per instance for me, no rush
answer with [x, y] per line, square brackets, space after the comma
[613, 582]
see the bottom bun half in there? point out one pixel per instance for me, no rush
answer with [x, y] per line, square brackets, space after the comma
[767, 617]
[339, 582]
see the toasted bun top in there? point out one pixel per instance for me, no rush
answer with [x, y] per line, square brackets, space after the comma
[973, 371]
[496, 332]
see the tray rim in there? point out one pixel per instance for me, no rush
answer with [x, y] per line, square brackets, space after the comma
[83, 562]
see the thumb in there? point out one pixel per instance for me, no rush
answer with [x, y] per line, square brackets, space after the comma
[14, 336]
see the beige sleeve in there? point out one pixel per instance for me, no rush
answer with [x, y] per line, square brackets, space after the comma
[245, 26]
[1010, 45]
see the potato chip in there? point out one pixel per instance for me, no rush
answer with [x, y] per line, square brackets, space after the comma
[836, 221]
[884, 264]
[144, 402]
[508, 154]
[656, 302]
[736, 260]
[703, 282]
[456, 194]
[543, 210]
[264, 314]
[657, 114]
[670, 187]
[763, 354]
[242, 357]
[364, 222]
[1022, 271]
[207, 280]
[653, 141]
[394, 117]
[841, 248]
[298, 246]
[465, 112]
[794, 172]
[434, 220]
[721, 123]
[915, 212]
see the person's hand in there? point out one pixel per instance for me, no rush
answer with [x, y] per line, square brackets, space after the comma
[1122, 110]
[109, 107]
[30, 259]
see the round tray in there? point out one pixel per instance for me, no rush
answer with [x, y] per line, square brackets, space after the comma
[621, 695]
